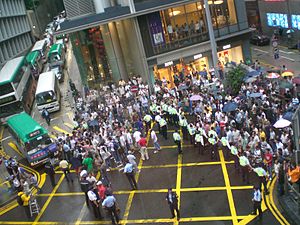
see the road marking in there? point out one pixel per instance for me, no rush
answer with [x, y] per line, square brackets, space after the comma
[228, 189]
[4, 139]
[70, 115]
[287, 52]
[272, 207]
[81, 214]
[61, 130]
[168, 131]
[178, 183]
[171, 146]
[69, 125]
[48, 200]
[293, 60]
[137, 175]
[259, 50]
[16, 149]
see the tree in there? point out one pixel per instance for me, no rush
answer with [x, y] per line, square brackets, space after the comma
[31, 4]
[234, 79]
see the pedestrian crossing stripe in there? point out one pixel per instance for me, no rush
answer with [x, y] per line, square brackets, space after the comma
[61, 130]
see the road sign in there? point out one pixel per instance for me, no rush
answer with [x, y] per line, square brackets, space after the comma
[134, 89]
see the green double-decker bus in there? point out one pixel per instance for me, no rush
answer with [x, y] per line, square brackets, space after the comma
[31, 138]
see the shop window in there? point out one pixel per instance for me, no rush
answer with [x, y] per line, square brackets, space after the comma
[231, 12]
[191, 8]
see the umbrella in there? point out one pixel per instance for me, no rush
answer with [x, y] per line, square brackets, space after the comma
[296, 80]
[286, 85]
[282, 123]
[253, 73]
[182, 87]
[229, 107]
[287, 74]
[273, 75]
[255, 95]
[288, 116]
[203, 73]
[195, 98]
[289, 31]
[250, 79]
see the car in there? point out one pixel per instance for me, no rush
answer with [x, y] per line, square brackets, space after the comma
[58, 73]
[259, 40]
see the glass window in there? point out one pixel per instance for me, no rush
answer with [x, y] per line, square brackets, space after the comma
[45, 97]
[231, 12]
[6, 89]
[191, 8]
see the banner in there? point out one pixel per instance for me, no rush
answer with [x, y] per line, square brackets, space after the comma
[156, 29]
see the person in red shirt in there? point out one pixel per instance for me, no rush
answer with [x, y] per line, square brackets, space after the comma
[269, 162]
[143, 150]
[101, 190]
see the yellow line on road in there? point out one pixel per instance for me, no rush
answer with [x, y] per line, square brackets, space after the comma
[16, 149]
[178, 183]
[185, 165]
[61, 130]
[1, 132]
[228, 189]
[171, 146]
[48, 200]
[69, 125]
[271, 205]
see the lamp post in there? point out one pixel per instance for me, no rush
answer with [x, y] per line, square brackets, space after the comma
[211, 33]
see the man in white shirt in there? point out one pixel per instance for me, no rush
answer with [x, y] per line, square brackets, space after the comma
[95, 202]
[155, 141]
[137, 136]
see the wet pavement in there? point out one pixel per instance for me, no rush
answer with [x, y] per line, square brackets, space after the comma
[210, 192]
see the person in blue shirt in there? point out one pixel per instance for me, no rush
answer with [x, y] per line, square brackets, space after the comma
[109, 203]
[257, 197]
[129, 172]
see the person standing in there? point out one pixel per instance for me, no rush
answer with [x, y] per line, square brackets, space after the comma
[177, 140]
[85, 187]
[64, 165]
[172, 200]
[24, 201]
[244, 163]
[262, 174]
[155, 141]
[95, 201]
[46, 116]
[49, 169]
[109, 203]
[131, 158]
[147, 118]
[257, 202]
[129, 171]
[163, 128]
[143, 150]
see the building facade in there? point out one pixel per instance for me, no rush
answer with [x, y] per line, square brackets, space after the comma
[155, 39]
[283, 15]
[15, 31]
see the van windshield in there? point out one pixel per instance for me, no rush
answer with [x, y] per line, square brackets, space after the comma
[45, 97]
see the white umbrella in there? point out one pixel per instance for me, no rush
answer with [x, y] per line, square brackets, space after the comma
[195, 98]
[282, 123]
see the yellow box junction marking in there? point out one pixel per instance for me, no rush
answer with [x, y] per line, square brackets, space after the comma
[228, 189]
[15, 148]
[48, 200]
[61, 130]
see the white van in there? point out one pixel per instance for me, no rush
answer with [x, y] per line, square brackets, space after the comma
[47, 93]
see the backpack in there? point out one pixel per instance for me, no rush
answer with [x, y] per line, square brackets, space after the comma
[19, 200]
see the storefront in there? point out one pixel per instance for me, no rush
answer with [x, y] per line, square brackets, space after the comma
[199, 62]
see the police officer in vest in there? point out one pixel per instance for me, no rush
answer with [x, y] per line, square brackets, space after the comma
[163, 128]
[147, 118]
[244, 163]
[214, 149]
[199, 141]
[262, 175]
[226, 147]
[177, 140]
[183, 124]
[192, 130]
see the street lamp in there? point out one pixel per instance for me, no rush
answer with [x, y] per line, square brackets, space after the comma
[211, 33]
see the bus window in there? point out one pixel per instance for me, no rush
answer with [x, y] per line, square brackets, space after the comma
[9, 109]
[6, 89]
[39, 142]
[45, 97]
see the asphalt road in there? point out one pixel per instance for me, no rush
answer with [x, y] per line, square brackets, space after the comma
[210, 192]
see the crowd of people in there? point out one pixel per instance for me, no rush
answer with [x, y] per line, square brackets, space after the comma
[111, 128]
